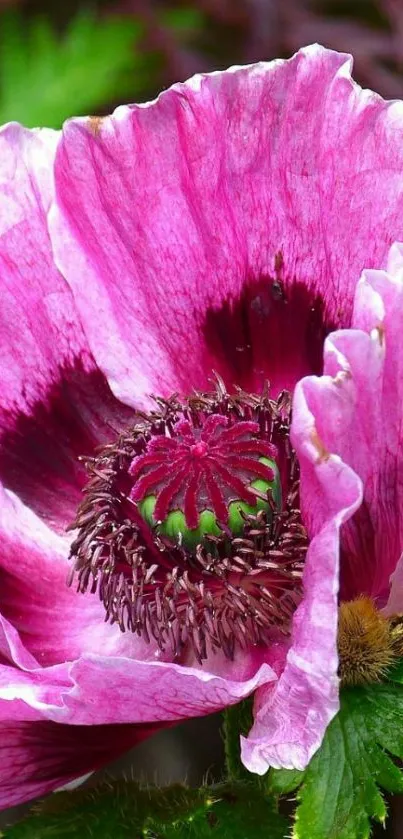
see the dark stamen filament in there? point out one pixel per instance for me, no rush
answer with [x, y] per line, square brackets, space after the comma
[230, 589]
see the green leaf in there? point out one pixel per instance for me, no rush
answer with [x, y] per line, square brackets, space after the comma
[396, 672]
[45, 78]
[338, 794]
[123, 809]
[283, 781]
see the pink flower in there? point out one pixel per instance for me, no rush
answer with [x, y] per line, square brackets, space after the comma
[221, 228]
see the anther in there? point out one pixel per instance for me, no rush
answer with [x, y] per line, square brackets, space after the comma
[190, 530]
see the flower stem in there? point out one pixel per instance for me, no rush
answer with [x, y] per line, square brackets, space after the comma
[237, 721]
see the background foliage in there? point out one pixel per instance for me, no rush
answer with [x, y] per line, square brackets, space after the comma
[79, 57]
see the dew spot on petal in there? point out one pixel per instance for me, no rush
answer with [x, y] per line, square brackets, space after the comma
[323, 454]
[378, 334]
[341, 377]
[95, 124]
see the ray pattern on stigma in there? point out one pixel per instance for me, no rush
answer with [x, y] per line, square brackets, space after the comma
[190, 529]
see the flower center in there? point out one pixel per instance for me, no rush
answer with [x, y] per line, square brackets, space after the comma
[190, 529]
[203, 476]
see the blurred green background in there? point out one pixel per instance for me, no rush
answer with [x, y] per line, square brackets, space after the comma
[59, 60]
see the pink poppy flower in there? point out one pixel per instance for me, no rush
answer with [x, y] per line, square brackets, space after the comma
[221, 228]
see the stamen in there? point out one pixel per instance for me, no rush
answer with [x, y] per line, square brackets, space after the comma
[213, 558]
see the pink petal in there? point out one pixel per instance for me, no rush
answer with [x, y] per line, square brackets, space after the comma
[394, 605]
[41, 684]
[107, 690]
[55, 403]
[27, 691]
[104, 689]
[36, 758]
[224, 225]
[59, 661]
[363, 394]
[52, 621]
[291, 716]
